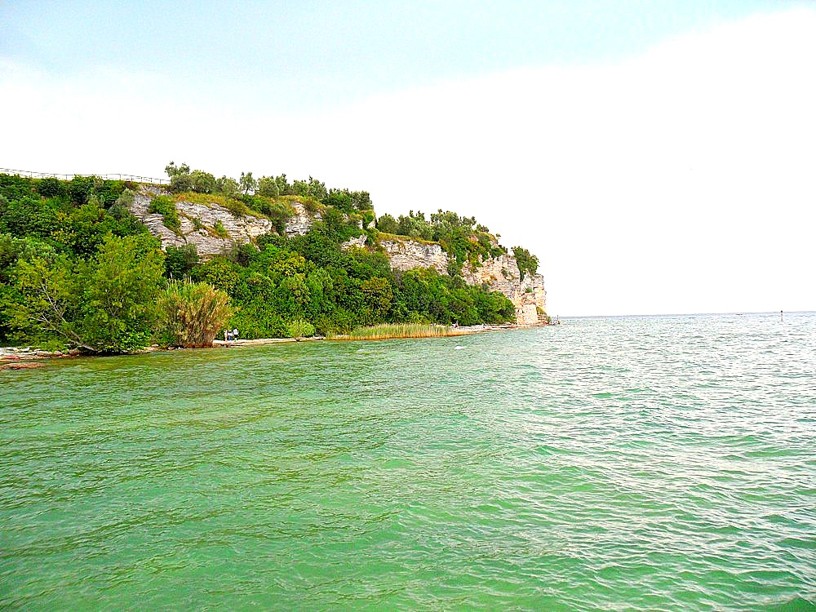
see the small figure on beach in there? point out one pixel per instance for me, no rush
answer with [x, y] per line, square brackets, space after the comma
[781, 317]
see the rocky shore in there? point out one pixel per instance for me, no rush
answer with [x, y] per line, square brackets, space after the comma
[27, 358]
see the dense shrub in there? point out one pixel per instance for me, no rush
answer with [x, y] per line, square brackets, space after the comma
[300, 329]
[166, 207]
[104, 304]
[525, 261]
[51, 188]
[192, 314]
[219, 230]
[180, 261]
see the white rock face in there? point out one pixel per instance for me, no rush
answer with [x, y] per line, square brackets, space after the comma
[300, 223]
[358, 242]
[502, 274]
[496, 274]
[240, 230]
[408, 254]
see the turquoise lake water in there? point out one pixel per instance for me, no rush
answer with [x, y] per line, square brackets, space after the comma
[656, 463]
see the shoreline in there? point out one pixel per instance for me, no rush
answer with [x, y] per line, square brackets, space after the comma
[24, 358]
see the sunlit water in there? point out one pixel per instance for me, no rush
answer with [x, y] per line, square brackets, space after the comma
[654, 463]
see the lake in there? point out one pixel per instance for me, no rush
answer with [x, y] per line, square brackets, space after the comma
[632, 462]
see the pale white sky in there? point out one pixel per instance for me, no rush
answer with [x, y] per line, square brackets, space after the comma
[677, 175]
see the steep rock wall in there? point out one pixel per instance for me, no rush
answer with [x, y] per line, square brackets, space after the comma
[502, 274]
[496, 274]
[240, 230]
[408, 254]
[301, 222]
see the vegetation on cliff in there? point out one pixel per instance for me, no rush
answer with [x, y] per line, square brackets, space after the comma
[462, 238]
[78, 269]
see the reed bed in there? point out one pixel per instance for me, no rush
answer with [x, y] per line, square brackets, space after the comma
[400, 330]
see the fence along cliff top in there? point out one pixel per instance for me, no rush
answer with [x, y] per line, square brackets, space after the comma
[68, 177]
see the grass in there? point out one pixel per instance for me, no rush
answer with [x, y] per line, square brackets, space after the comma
[219, 230]
[167, 209]
[400, 330]
[401, 238]
[309, 203]
[236, 207]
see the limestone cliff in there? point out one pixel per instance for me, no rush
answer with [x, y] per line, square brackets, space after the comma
[199, 220]
[405, 254]
[502, 274]
[496, 273]
[198, 223]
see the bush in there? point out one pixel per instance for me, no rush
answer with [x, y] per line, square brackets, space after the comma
[166, 207]
[180, 261]
[51, 188]
[525, 261]
[300, 329]
[236, 207]
[192, 314]
[219, 229]
[80, 188]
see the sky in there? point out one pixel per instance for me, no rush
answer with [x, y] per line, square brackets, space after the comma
[658, 157]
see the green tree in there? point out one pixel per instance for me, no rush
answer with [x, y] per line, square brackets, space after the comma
[49, 303]
[247, 183]
[180, 179]
[203, 182]
[268, 187]
[378, 296]
[525, 261]
[122, 285]
[180, 261]
[103, 305]
[228, 186]
[386, 223]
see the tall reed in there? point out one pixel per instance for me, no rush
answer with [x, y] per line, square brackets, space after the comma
[193, 313]
[400, 330]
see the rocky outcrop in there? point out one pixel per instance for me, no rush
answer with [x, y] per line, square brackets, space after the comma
[495, 274]
[358, 243]
[199, 222]
[406, 254]
[300, 223]
[502, 274]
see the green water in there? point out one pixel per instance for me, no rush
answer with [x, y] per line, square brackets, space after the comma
[652, 463]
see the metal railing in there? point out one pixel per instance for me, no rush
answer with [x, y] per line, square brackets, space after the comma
[67, 177]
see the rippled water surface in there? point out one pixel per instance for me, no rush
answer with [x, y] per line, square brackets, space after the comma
[654, 463]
